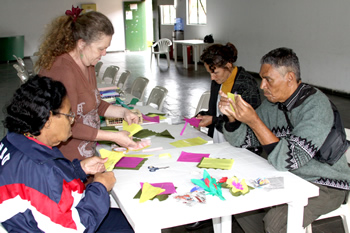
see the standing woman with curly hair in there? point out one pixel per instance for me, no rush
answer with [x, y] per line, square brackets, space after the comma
[72, 46]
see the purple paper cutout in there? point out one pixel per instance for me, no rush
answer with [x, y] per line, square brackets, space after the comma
[191, 157]
[129, 162]
[168, 186]
[151, 119]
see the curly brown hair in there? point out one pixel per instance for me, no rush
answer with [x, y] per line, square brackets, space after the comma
[63, 34]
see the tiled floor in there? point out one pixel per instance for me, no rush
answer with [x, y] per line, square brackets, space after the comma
[185, 88]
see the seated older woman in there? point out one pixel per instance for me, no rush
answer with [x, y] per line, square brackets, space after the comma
[41, 190]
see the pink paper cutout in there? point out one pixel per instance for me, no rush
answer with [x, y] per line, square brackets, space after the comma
[129, 162]
[168, 186]
[151, 119]
[191, 157]
[193, 121]
[183, 129]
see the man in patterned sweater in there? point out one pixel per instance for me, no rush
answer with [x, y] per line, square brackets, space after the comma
[290, 146]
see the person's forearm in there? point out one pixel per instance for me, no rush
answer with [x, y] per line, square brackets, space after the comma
[115, 111]
[103, 135]
[264, 134]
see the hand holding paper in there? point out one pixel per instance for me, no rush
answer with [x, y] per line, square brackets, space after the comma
[132, 129]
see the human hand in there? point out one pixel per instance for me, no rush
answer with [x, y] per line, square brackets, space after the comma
[130, 117]
[205, 120]
[122, 139]
[93, 165]
[224, 106]
[106, 178]
[243, 111]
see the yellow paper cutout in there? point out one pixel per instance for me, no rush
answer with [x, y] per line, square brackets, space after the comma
[113, 158]
[132, 129]
[165, 155]
[160, 117]
[189, 142]
[216, 163]
[231, 96]
[149, 191]
[138, 156]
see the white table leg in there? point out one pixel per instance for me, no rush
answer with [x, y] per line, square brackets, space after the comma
[195, 55]
[175, 53]
[184, 56]
[296, 216]
[217, 225]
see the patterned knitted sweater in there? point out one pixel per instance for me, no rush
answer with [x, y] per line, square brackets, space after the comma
[312, 121]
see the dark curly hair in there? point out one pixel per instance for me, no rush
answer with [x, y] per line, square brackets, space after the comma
[219, 55]
[32, 103]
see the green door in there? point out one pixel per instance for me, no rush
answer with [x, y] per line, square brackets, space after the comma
[135, 26]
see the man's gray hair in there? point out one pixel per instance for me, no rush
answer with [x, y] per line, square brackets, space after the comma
[283, 57]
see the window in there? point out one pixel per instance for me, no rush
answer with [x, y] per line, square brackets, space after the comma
[196, 12]
[167, 14]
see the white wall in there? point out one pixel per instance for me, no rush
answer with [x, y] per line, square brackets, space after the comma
[29, 17]
[317, 30]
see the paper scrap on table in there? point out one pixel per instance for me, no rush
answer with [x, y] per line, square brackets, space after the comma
[225, 164]
[129, 162]
[165, 155]
[151, 119]
[191, 157]
[132, 129]
[192, 121]
[121, 102]
[189, 142]
[275, 183]
[209, 184]
[113, 158]
[137, 156]
[148, 192]
[161, 116]
[168, 186]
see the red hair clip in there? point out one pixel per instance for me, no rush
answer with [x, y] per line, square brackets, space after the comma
[74, 13]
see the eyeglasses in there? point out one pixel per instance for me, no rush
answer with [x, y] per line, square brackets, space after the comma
[70, 116]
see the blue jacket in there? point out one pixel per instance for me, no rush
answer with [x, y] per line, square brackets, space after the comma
[41, 191]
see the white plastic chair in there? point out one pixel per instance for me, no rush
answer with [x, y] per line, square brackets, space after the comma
[157, 96]
[98, 68]
[163, 48]
[203, 103]
[123, 79]
[110, 73]
[138, 87]
[344, 210]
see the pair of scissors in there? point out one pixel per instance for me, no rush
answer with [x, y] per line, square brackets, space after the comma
[153, 169]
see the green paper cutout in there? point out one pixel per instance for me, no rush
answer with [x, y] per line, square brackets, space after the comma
[134, 101]
[109, 128]
[158, 114]
[216, 163]
[214, 189]
[144, 133]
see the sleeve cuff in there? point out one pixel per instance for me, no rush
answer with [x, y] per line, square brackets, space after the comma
[230, 127]
[78, 170]
[269, 148]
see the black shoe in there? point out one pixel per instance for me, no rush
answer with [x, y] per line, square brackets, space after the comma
[195, 225]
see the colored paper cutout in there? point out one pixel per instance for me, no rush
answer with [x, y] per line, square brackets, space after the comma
[225, 164]
[137, 156]
[144, 133]
[109, 128]
[168, 186]
[149, 192]
[232, 96]
[189, 142]
[237, 187]
[135, 168]
[132, 129]
[191, 157]
[113, 158]
[129, 162]
[165, 155]
[192, 121]
[161, 115]
[134, 101]
[151, 119]
[121, 102]
[209, 185]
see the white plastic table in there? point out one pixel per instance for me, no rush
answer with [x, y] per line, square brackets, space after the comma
[197, 45]
[152, 216]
